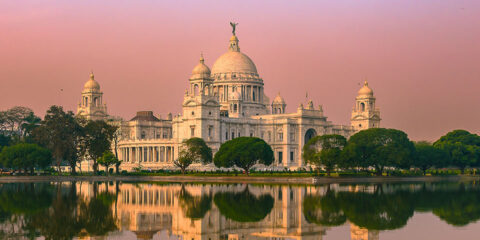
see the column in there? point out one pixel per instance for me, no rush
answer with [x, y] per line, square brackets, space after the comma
[251, 94]
[164, 158]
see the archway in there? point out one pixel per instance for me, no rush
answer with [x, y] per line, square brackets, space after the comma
[310, 134]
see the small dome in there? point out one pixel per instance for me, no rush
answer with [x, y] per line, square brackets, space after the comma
[201, 68]
[365, 90]
[278, 99]
[235, 96]
[91, 84]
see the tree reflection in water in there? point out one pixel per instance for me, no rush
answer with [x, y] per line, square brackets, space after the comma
[194, 207]
[243, 206]
[391, 206]
[55, 212]
[80, 209]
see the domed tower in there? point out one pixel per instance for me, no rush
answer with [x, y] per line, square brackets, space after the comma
[92, 107]
[201, 109]
[200, 81]
[278, 105]
[235, 72]
[365, 115]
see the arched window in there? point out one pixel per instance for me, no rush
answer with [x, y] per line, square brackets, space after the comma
[86, 101]
[253, 95]
[310, 134]
[362, 106]
[234, 107]
[195, 89]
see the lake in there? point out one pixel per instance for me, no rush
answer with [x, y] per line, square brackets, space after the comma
[193, 211]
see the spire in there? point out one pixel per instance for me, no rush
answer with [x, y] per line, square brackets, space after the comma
[365, 83]
[92, 77]
[202, 60]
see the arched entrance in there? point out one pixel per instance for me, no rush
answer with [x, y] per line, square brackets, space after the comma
[310, 134]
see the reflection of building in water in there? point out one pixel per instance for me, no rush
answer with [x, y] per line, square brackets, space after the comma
[358, 233]
[148, 209]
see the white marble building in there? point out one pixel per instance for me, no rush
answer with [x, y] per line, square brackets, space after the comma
[221, 104]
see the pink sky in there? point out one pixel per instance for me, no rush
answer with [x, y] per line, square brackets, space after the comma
[421, 57]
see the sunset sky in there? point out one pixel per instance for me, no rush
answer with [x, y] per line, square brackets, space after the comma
[422, 58]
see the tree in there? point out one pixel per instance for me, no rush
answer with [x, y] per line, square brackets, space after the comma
[98, 139]
[379, 148]
[193, 150]
[25, 156]
[107, 160]
[59, 132]
[244, 152]
[428, 156]
[4, 141]
[244, 206]
[115, 139]
[324, 150]
[462, 147]
[12, 119]
[29, 124]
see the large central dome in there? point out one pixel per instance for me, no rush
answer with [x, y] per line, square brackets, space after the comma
[234, 61]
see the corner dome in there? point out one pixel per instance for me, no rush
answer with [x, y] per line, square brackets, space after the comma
[365, 90]
[91, 84]
[234, 62]
[201, 67]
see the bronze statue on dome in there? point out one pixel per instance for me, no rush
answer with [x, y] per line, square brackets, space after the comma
[234, 25]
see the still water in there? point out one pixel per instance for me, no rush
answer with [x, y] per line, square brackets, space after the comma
[153, 210]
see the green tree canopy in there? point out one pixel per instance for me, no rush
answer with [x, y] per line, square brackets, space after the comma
[462, 147]
[243, 206]
[107, 160]
[379, 148]
[244, 152]
[25, 156]
[324, 150]
[30, 122]
[428, 156]
[98, 139]
[59, 132]
[193, 150]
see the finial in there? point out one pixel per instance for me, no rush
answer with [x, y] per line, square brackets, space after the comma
[201, 57]
[366, 82]
[91, 75]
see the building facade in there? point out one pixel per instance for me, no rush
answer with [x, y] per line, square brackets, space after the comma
[223, 103]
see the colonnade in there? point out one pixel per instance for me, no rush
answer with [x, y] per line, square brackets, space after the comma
[163, 154]
[249, 93]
